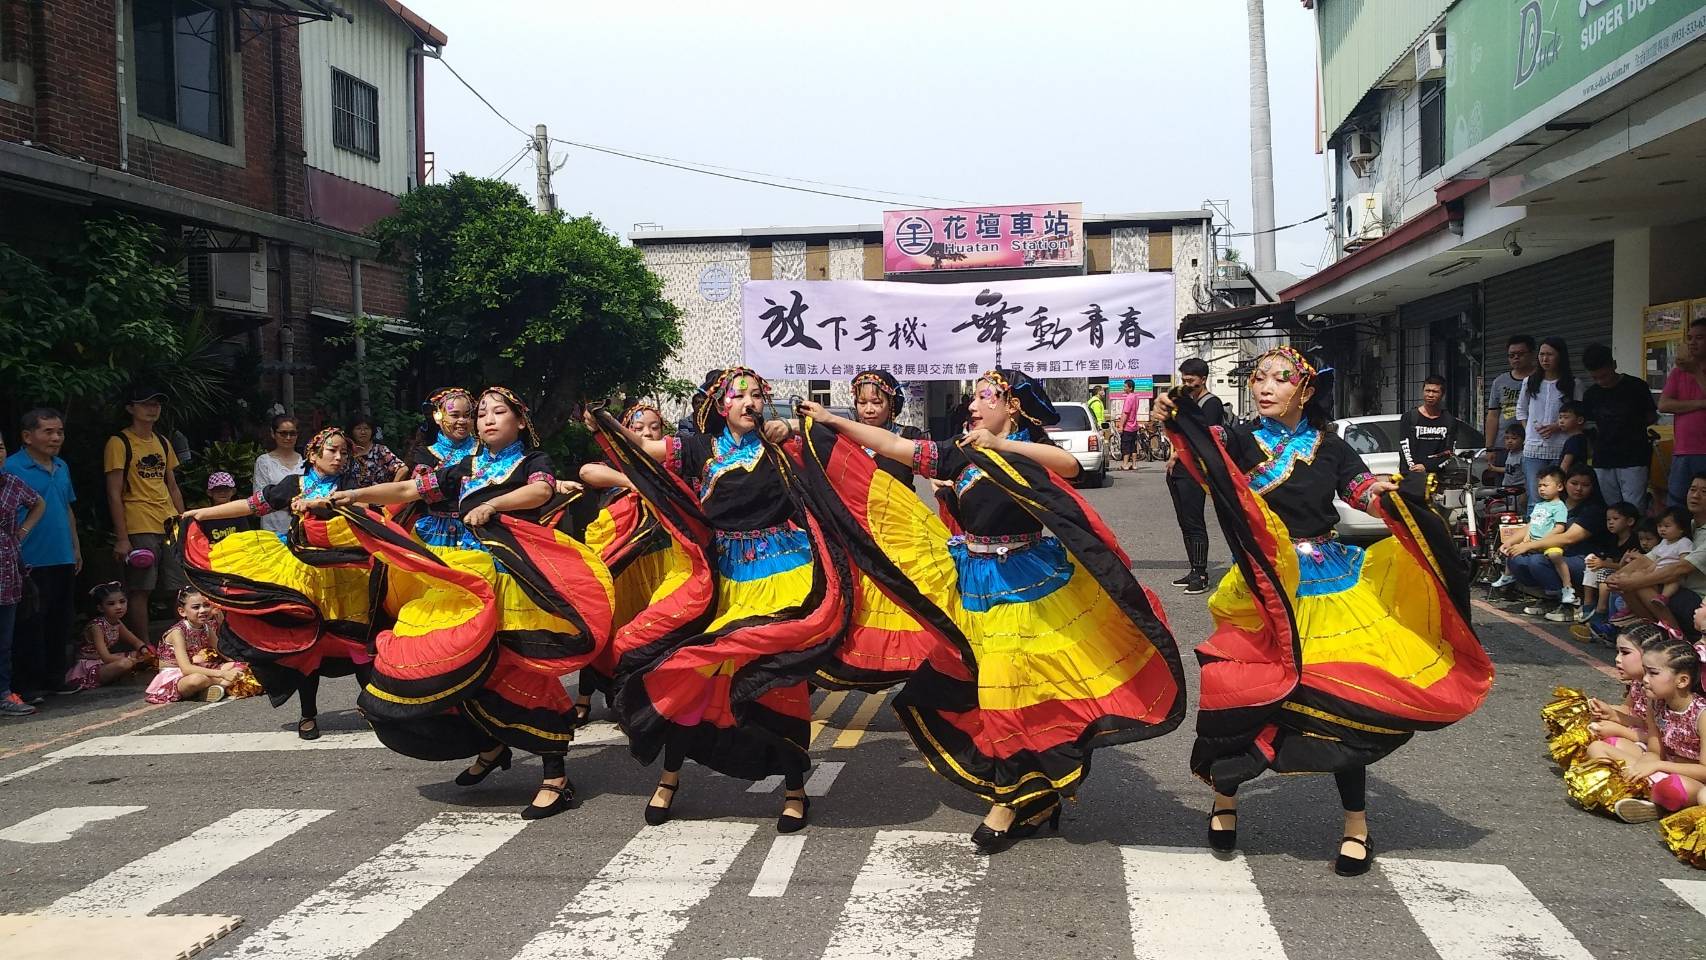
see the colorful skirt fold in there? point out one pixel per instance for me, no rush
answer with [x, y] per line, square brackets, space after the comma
[1324, 656]
[645, 564]
[484, 636]
[1038, 657]
[295, 606]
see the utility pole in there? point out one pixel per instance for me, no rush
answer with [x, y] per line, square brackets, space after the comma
[1261, 142]
[546, 202]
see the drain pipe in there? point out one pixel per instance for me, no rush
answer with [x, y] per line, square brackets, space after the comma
[287, 363]
[123, 89]
[362, 399]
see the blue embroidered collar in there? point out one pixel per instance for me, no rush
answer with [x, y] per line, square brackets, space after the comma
[1286, 447]
[450, 451]
[490, 468]
[730, 453]
[974, 474]
[316, 486]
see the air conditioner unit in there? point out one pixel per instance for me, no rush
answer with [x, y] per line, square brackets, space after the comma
[1361, 149]
[1363, 220]
[1430, 57]
[225, 279]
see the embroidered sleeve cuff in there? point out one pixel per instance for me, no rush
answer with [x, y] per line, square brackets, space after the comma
[259, 504]
[926, 458]
[672, 456]
[540, 476]
[427, 485]
[1356, 492]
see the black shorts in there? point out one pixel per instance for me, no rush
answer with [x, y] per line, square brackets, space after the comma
[1128, 443]
[1682, 605]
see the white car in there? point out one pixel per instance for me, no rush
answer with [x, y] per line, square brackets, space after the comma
[1377, 438]
[1077, 435]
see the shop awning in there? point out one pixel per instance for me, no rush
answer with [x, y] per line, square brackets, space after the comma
[1238, 322]
[305, 9]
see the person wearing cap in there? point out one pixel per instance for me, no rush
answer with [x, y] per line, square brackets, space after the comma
[221, 487]
[142, 496]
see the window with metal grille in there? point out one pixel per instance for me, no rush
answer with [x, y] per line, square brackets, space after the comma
[355, 115]
[181, 76]
[1432, 125]
[819, 391]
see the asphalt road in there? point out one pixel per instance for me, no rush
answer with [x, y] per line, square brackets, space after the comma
[346, 850]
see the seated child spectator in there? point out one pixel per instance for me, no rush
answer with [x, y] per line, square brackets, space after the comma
[109, 649]
[1547, 516]
[1670, 762]
[1572, 419]
[1628, 723]
[1593, 619]
[1649, 603]
[194, 669]
[221, 486]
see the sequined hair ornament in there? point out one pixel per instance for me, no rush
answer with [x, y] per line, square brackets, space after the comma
[886, 385]
[319, 441]
[515, 403]
[712, 409]
[440, 402]
[631, 419]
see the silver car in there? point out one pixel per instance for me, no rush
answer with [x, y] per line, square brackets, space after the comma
[1077, 435]
[1377, 439]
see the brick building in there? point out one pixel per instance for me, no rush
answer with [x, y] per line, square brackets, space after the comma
[264, 136]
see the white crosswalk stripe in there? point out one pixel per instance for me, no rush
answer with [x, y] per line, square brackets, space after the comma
[1187, 904]
[917, 896]
[147, 884]
[58, 824]
[1692, 892]
[1479, 911]
[370, 901]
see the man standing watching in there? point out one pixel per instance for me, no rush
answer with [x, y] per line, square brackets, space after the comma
[142, 496]
[1506, 388]
[52, 556]
[1131, 421]
[1622, 409]
[1098, 407]
[1188, 494]
[1425, 433]
[1685, 397]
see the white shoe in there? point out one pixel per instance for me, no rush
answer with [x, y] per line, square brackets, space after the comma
[1503, 582]
[1567, 597]
[1534, 609]
[1559, 614]
[1582, 614]
[1636, 810]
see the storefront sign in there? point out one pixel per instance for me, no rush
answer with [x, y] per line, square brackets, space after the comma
[1114, 325]
[983, 238]
[1514, 66]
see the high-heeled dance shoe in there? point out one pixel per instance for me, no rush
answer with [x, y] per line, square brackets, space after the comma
[1354, 866]
[992, 841]
[658, 816]
[1223, 841]
[483, 768]
[791, 824]
[565, 798]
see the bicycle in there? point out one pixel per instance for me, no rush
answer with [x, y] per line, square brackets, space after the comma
[1153, 445]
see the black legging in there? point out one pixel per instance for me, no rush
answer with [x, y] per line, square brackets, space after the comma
[1353, 788]
[308, 691]
[675, 757]
[1189, 502]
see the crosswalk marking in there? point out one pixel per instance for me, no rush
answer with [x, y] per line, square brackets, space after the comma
[640, 902]
[146, 884]
[861, 721]
[57, 825]
[358, 909]
[170, 744]
[817, 785]
[823, 713]
[915, 897]
[1692, 892]
[1479, 911]
[778, 866]
[1187, 904]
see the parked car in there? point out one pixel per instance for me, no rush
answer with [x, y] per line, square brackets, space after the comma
[1083, 439]
[1377, 438]
[775, 410]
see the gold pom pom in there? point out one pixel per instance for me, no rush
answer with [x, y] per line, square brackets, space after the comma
[1599, 784]
[1569, 708]
[1571, 745]
[1684, 833]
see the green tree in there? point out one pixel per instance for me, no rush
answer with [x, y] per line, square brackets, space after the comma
[556, 308]
[387, 356]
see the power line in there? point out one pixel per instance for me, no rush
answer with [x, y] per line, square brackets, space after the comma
[513, 160]
[482, 97]
[1318, 216]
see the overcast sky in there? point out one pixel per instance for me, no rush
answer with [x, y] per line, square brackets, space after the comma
[1126, 106]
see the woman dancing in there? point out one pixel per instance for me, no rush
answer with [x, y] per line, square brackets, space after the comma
[715, 670]
[297, 602]
[452, 411]
[1051, 649]
[1325, 657]
[484, 634]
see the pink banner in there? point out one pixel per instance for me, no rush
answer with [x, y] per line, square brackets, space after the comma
[983, 238]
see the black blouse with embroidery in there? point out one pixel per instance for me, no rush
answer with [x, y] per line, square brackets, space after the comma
[1299, 472]
[738, 484]
[311, 486]
[480, 478]
[983, 509]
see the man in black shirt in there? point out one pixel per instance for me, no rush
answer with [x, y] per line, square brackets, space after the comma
[1621, 408]
[1425, 433]
[1188, 496]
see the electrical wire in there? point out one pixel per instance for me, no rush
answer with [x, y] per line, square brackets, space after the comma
[482, 98]
[1319, 216]
[513, 160]
[512, 163]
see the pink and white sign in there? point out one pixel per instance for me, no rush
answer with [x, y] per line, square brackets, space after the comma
[983, 238]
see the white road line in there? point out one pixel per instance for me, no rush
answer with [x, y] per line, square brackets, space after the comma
[149, 883]
[1692, 892]
[358, 909]
[767, 785]
[57, 825]
[640, 902]
[1479, 911]
[1187, 904]
[778, 866]
[174, 719]
[191, 743]
[26, 771]
[915, 897]
[823, 777]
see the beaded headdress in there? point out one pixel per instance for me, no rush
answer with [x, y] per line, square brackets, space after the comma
[515, 403]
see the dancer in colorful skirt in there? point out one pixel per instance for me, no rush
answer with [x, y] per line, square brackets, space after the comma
[296, 603]
[715, 669]
[1048, 647]
[437, 524]
[887, 645]
[483, 636]
[1325, 657]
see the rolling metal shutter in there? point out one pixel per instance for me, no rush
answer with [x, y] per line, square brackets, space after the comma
[1567, 297]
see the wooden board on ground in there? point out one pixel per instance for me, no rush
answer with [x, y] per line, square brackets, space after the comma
[35, 936]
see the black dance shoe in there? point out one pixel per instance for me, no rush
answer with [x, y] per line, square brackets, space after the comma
[1354, 866]
[1223, 841]
[483, 768]
[658, 816]
[565, 799]
[308, 728]
[582, 716]
[791, 824]
[990, 841]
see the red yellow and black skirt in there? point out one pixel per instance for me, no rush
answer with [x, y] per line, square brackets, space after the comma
[1325, 656]
[479, 640]
[1046, 647]
[296, 604]
[645, 564]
